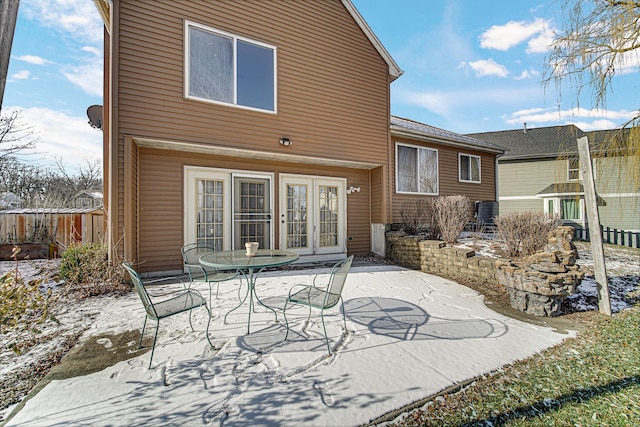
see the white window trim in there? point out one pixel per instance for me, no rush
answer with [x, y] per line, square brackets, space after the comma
[470, 181]
[193, 173]
[235, 38]
[593, 169]
[569, 170]
[557, 208]
[397, 169]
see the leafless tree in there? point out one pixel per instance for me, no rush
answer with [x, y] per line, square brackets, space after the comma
[600, 39]
[15, 135]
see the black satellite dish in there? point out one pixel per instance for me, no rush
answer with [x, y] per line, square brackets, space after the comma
[95, 116]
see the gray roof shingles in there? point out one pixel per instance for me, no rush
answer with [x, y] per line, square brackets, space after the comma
[411, 126]
[546, 142]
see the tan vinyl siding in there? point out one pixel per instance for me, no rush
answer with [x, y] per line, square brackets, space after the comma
[332, 103]
[161, 204]
[377, 196]
[448, 176]
[332, 84]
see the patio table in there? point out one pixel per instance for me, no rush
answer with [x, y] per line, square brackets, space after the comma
[250, 267]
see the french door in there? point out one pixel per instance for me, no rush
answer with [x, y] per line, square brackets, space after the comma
[228, 208]
[251, 211]
[312, 214]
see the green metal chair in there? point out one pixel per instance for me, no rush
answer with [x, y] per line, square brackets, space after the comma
[183, 300]
[321, 297]
[191, 254]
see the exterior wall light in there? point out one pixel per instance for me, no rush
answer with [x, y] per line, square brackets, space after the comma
[285, 141]
[353, 189]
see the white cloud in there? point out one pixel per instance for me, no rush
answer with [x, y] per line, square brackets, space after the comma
[504, 37]
[32, 59]
[583, 118]
[62, 136]
[93, 50]
[486, 67]
[528, 74]
[595, 125]
[21, 75]
[87, 77]
[79, 19]
[448, 104]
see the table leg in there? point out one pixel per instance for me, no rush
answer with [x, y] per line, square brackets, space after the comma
[251, 292]
[243, 299]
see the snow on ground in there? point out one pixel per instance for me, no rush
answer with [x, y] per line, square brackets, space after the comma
[623, 271]
[412, 335]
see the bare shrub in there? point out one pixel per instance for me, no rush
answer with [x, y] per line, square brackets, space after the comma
[87, 270]
[524, 233]
[451, 214]
[416, 215]
[24, 305]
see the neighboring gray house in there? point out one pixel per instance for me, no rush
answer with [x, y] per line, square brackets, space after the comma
[540, 171]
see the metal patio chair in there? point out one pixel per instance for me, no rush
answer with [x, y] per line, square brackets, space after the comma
[181, 301]
[191, 254]
[321, 297]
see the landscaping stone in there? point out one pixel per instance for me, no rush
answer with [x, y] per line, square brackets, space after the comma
[539, 283]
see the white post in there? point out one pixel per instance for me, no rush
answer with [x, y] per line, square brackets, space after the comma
[604, 301]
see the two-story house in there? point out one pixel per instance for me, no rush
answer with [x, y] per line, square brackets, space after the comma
[229, 122]
[541, 171]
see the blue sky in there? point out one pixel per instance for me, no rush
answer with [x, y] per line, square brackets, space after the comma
[469, 66]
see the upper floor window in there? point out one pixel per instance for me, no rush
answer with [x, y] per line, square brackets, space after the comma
[416, 169]
[573, 169]
[468, 168]
[224, 68]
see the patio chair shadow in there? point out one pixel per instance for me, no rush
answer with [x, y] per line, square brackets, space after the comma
[405, 321]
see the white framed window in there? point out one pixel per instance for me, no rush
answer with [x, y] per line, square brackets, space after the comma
[468, 168]
[568, 207]
[227, 69]
[416, 169]
[573, 169]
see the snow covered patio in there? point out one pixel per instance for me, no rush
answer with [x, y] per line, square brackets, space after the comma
[410, 335]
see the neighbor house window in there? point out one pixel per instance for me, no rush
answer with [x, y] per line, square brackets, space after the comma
[567, 207]
[468, 168]
[416, 169]
[570, 208]
[224, 68]
[573, 168]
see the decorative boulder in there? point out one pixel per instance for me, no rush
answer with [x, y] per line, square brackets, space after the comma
[540, 282]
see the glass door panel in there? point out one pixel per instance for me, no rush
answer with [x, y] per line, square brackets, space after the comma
[252, 211]
[296, 225]
[329, 214]
[312, 214]
[210, 212]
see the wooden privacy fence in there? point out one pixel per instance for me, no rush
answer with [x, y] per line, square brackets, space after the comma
[59, 226]
[612, 236]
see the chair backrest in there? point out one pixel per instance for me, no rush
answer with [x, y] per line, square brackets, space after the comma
[339, 276]
[191, 254]
[140, 289]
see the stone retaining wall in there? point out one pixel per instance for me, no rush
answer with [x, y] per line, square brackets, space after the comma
[433, 256]
[437, 258]
[536, 285]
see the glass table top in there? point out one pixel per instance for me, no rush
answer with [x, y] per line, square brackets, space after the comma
[226, 260]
